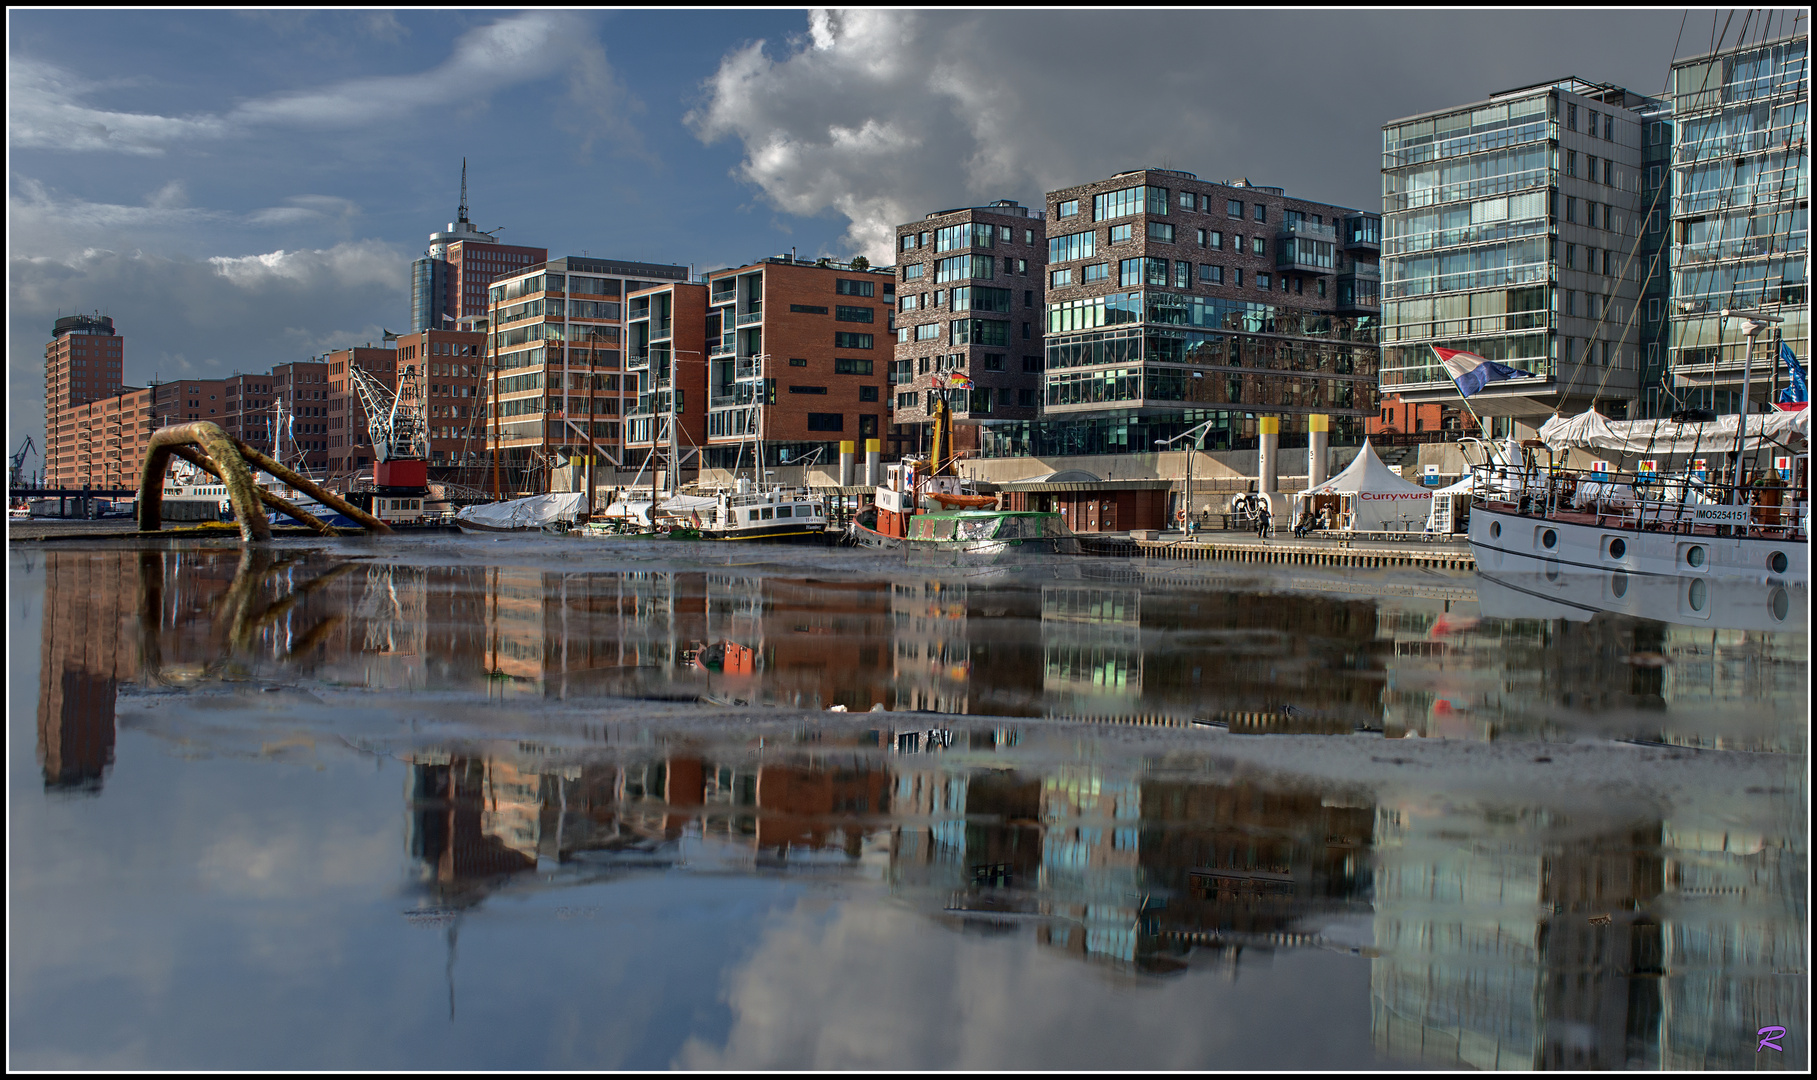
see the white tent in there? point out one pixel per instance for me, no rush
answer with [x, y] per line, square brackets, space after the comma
[1373, 497]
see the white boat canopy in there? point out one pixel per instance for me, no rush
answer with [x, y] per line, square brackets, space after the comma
[531, 513]
[1590, 430]
[1377, 496]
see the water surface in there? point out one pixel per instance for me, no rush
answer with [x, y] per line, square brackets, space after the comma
[551, 804]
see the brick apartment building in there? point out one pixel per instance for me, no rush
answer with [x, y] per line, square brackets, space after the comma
[973, 283]
[82, 364]
[349, 441]
[1173, 301]
[558, 346]
[806, 347]
[455, 394]
[666, 351]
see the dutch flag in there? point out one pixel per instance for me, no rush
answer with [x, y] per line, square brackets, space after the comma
[1471, 372]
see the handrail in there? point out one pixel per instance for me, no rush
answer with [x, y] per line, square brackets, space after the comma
[1683, 504]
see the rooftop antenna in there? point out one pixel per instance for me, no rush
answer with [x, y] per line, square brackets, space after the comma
[463, 211]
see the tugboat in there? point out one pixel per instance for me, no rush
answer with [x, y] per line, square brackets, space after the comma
[924, 505]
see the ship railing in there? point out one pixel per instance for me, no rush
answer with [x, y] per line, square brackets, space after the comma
[1769, 507]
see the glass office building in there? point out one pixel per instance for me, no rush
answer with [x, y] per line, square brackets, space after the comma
[1740, 216]
[1510, 230]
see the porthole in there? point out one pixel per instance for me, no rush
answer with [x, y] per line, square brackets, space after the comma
[1495, 529]
[1699, 594]
[1694, 555]
[1618, 585]
[1779, 603]
[1617, 548]
[1549, 538]
[1776, 562]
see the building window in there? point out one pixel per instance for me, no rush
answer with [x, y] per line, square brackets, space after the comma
[1217, 240]
[854, 314]
[809, 309]
[1122, 233]
[1188, 200]
[1211, 275]
[1069, 208]
[850, 287]
[852, 341]
[1570, 209]
[1031, 364]
[807, 389]
[1263, 281]
[911, 271]
[1233, 208]
[1028, 237]
[848, 365]
[1081, 245]
[1182, 275]
[927, 331]
[1571, 116]
[1608, 127]
[1236, 276]
[823, 421]
[867, 393]
[909, 301]
[1060, 277]
[1570, 163]
[905, 400]
[1161, 231]
[1096, 272]
[1261, 212]
[1022, 266]
[1258, 245]
[1028, 399]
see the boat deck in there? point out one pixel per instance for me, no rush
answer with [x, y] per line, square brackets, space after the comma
[1652, 517]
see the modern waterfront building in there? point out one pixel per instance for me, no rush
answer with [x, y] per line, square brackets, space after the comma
[666, 376]
[1740, 216]
[557, 362]
[972, 285]
[798, 356]
[1511, 230]
[1172, 301]
[449, 284]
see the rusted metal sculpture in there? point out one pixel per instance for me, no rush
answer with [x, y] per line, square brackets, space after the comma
[206, 446]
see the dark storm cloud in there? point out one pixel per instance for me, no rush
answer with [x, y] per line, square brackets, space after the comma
[883, 116]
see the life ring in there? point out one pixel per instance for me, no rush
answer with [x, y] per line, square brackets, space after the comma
[1179, 515]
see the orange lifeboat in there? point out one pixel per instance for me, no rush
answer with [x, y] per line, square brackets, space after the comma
[964, 502]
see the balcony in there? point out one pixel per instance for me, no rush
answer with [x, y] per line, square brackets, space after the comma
[751, 318]
[1363, 232]
[1325, 233]
[1303, 253]
[721, 348]
[637, 362]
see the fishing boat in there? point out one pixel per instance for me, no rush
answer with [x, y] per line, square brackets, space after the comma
[924, 505]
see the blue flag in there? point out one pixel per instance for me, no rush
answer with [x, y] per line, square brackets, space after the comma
[1798, 391]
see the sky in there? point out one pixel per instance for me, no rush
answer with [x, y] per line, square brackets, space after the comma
[243, 189]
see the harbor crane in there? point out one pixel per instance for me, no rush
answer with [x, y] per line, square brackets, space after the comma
[13, 474]
[398, 422]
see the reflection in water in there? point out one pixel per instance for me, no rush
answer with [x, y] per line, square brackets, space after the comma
[1499, 936]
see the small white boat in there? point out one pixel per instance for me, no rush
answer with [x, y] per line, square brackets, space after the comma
[523, 515]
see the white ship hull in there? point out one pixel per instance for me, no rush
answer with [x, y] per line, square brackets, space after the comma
[1512, 542]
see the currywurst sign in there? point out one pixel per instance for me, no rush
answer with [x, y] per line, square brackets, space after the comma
[1366, 496]
[1722, 515]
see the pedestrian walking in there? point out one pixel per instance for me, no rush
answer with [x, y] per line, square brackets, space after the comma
[1261, 521]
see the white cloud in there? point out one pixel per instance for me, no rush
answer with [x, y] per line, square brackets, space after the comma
[521, 48]
[51, 224]
[43, 110]
[46, 107]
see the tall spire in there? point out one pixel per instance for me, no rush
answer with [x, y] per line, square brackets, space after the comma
[463, 213]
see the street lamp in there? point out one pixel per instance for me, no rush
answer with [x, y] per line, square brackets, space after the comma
[1196, 434]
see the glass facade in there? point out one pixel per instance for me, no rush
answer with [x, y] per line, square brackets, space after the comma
[1739, 192]
[1492, 245]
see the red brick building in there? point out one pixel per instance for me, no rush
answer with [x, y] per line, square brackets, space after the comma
[973, 283]
[453, 360]
[804, 346]
[82, 364]
[1400, 417]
